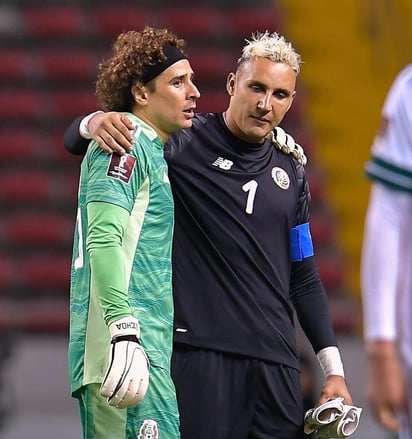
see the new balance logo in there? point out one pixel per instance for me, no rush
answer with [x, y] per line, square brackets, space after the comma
[222, 163]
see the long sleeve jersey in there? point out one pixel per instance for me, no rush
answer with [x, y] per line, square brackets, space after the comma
[387, 245]
[241, 263]
[122, 250]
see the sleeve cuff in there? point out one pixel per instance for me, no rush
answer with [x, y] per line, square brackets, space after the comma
[84, 125]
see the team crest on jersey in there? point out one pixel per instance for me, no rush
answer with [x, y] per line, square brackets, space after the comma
[148, 430]
[121, 167]
[222, 163]
[281, 178]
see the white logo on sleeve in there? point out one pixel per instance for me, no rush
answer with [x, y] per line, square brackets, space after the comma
[222, 163]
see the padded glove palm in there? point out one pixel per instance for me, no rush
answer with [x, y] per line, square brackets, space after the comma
[127, 376]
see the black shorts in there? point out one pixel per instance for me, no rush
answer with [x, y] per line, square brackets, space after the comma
[222, 396]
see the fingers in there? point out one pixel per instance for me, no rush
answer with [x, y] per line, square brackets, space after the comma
[127, 377]
[107, 147]
[112, 131]
[130, 396]
[111, 144]
[388, 418]
[386, 411]
[334, 387]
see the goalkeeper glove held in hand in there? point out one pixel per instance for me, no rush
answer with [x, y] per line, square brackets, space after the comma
[127, 376]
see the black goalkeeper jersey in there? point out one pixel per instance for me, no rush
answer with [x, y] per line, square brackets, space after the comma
[235, 285]
[235, 205]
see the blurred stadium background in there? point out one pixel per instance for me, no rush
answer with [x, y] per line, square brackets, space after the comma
[49, 52]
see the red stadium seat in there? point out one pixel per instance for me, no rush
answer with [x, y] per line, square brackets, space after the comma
[109, 21]
[191, 22]
[39, 187]
[68, 64]
[21, 145]
[245, 20]
[20, 104]
[35, 145]
[68, 104]
[67, 187]
[24, 186]
[14, 64]
[39, 229]
[42, 316]
[212, 64]
[7, 272]
[49, 21]
[46, 271]
[35, 190]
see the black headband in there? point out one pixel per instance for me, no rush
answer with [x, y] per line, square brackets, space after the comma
[172, 53]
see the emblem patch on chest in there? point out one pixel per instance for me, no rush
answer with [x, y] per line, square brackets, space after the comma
[149, 430]
[280, 177]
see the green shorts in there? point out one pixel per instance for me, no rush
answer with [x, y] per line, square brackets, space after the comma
[102, 421]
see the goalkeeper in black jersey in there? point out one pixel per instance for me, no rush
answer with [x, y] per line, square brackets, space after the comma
[242, 255]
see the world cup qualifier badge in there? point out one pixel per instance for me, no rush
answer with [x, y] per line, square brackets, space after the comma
[121, 167]
[148, 430]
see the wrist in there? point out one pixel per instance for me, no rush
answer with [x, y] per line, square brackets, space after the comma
[84, 125]
[330, 361]
[126, 326]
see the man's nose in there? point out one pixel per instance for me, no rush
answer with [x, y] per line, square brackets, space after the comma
[264, 104]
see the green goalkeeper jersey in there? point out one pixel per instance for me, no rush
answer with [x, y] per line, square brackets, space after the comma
[124, 231]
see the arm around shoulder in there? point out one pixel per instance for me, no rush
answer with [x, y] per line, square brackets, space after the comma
[74, 143]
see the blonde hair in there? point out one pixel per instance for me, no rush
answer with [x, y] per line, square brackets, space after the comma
[272, 46]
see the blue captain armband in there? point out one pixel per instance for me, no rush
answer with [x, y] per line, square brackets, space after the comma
[301, 242]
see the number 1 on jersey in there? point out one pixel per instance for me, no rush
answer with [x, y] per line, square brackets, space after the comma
[250, 187]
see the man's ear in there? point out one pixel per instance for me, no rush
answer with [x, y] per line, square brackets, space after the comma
[139, 94]
[230, 84]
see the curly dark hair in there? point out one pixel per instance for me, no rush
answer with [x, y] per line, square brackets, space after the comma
[133, 52]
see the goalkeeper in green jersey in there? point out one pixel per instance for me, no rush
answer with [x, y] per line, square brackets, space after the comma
[121, 308]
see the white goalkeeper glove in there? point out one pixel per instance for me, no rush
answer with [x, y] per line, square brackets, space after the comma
[332, 419]
[343, 427]
[324, 414]
[127, 376]
[286, 143]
